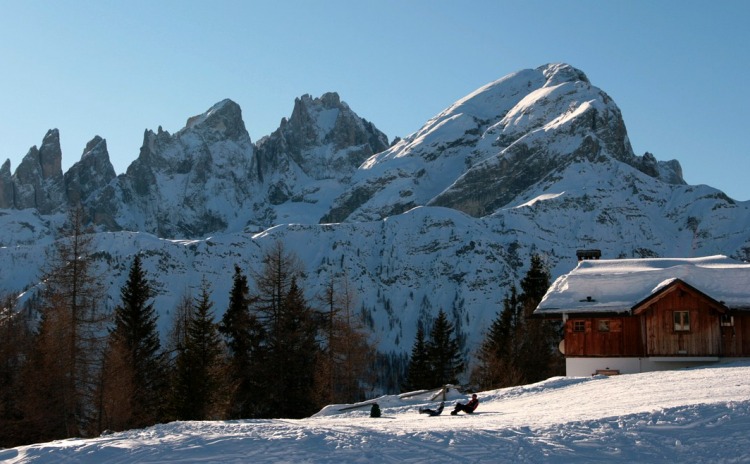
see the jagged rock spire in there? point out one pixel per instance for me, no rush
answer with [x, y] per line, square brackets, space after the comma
[6, 186]
[91, 173]
[38, 180]
[316, 122]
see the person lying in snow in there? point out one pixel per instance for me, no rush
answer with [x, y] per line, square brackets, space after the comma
[433, 412]
[468, 407]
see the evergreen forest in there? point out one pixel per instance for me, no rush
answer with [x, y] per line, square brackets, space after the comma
[72, 368]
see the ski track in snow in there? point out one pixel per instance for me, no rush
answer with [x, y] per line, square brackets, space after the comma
[642, 437]
[695, 415]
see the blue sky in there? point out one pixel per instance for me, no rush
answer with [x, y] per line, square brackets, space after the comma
[677, 69]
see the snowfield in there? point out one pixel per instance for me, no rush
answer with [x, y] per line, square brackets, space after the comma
[692, 415]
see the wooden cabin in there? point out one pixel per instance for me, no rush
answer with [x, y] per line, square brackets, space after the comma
[637, 315]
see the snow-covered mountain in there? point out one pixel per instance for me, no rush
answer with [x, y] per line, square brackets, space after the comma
[688, 416]
[446, 218]
[207, 178]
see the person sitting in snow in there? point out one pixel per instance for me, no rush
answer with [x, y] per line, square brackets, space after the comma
[433, 412]
[468, 407]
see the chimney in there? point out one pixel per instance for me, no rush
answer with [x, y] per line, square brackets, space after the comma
[588, 254]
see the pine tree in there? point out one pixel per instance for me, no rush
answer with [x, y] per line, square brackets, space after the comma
[244, 337]
[538, 353]
[418, 374]
[290, 335]
[135, 362]
[534, 284]
[298, 351]
[235, 322]
[498, 365]
[520, 349]
[198, 365]
[443, 352]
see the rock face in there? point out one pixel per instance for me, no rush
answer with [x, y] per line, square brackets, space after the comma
[208, 177]
[324, 137]
[93, 172]
[489, 147]
[325, 164]
[183, 185]
[6, 186]
[312, 157]
[38, 181]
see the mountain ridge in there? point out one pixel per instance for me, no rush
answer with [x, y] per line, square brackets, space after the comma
[538, 161]
[483, 140]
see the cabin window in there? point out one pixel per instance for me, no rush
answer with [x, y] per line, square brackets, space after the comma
[603, 325]
[682, 321]
[579, 326]
[727, 320]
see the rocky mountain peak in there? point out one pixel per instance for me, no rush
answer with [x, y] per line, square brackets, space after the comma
[6, 186]
[558, 73]
[44, 162]
[222, 121]
[313, 118]
[503, 139]
[327, 164]
[93, 172]
[539, 161]
[91, 145]
[38, 180]
[331, 100]
[316, 123]
[176, 153]
[185, 184]
[308, 103]
[50, 155]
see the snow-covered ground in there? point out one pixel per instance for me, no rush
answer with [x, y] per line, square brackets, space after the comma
[695, 415]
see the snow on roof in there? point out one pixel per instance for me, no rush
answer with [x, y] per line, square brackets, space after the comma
[616, 285]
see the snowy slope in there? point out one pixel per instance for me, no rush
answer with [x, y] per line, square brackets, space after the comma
[487, 148]
[404, 269]
[696, 415]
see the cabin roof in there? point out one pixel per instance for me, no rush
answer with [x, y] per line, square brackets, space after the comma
[617, 285]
